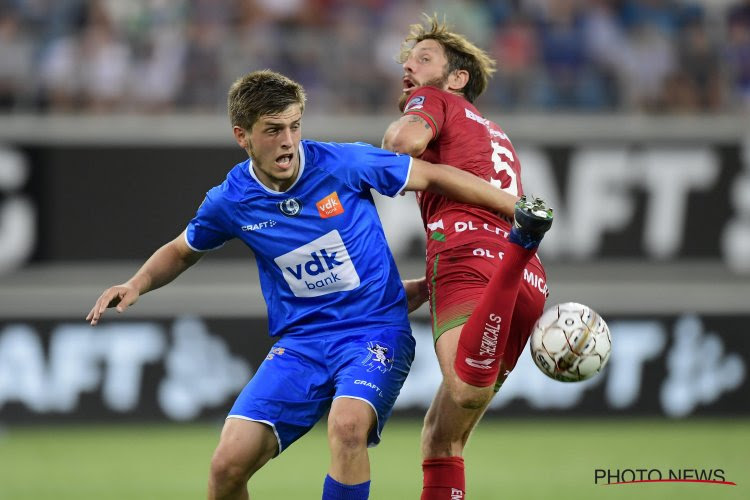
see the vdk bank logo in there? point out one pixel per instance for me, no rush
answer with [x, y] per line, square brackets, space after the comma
[320, 267]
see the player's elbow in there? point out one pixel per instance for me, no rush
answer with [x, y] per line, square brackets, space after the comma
[400, 143]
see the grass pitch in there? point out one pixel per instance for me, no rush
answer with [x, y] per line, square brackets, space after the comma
[506, 459]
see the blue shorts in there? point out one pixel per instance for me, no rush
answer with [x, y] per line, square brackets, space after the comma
[301, 376]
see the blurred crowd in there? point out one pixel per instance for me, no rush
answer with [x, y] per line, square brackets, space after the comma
[156, 56]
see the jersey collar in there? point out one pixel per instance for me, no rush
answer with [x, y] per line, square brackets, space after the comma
[299, 174]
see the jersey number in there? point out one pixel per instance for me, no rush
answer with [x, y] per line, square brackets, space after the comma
[499, 154]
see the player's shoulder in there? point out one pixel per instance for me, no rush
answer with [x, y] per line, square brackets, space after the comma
[234, 186]
[332, 147]
[333, 155]
[428, 96]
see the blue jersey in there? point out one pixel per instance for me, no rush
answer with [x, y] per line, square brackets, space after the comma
[324, 263]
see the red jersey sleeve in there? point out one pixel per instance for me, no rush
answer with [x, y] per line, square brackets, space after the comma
[429, 104]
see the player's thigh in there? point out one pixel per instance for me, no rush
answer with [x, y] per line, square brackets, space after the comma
[456, 281]
[245, 445]
[371, 366]
[291, 390]
[445, 350]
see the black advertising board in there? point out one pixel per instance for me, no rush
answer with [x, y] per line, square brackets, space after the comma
[191, 368]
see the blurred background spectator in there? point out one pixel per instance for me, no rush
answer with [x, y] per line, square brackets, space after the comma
[155, 56]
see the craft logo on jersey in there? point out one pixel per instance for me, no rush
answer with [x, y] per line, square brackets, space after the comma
[290, 207]
[319, 267]
[379, 356]
[416, 103]
[330, 206]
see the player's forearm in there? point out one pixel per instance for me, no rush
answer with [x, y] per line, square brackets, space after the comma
[162, 267]
[464, 187]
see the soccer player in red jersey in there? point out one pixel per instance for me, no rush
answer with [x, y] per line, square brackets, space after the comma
[486, 285]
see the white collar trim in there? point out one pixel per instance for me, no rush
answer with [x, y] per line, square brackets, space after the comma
[299, 174]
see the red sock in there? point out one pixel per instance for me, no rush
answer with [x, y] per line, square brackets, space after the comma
[443, 479]
[485, 334]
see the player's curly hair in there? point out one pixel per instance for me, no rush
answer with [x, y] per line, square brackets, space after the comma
[261, 93]
[461, 53]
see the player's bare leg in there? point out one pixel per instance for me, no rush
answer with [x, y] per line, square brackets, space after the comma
[244, 447]
[349, 423]
[448, 423]
[447, 426]
[453, 414]
[465, 395]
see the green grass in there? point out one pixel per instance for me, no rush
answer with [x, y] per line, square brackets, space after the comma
[506, 459]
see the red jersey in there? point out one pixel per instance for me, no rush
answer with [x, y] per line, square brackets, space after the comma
[462, 138]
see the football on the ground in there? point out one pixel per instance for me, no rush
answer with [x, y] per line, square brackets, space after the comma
[570, 342]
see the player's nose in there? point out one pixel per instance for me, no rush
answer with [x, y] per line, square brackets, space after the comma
[286, 138]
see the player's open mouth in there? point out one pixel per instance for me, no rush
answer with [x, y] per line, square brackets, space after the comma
[284, 161]
[408, 84]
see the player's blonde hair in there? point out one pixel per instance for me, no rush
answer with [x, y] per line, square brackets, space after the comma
[261, 93]
[460, 52]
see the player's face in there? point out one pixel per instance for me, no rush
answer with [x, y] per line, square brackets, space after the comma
[273, 145]
[427, 64]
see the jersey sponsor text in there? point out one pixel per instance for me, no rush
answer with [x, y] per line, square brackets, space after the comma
[322, 266]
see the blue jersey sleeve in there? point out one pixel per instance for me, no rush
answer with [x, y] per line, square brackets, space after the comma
[370, 167]
[211, 226]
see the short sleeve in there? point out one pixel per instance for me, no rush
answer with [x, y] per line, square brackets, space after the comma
[370, 167]
[210, 228]
[428, 103]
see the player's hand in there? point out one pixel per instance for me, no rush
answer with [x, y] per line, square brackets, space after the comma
[119, 296]
[416, 292]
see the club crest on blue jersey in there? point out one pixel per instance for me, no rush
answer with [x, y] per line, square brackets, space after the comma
[379, 356]
[290, 207]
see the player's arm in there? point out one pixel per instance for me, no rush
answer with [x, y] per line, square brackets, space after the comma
[163, 266]
[460, 186]
[410, 135]
[416, 292]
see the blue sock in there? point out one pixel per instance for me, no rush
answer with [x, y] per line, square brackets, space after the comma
[524, 238]
[333, 490]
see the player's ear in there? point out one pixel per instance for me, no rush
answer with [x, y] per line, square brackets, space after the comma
[458, 79]
[241, 136]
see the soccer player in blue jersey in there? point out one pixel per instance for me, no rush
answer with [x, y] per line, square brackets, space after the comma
[330, 283]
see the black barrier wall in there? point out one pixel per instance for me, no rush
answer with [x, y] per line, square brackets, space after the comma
[192, 368]
[663, 201]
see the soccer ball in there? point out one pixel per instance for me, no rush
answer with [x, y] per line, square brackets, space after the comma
[570, 342]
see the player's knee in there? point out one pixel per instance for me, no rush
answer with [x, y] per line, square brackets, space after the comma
[469, 397]
[227, 474]
[348, 431]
